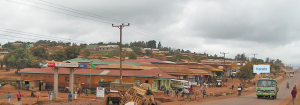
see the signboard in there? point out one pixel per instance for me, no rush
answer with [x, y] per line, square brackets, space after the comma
[261, 69]
[100, 92]
[82, 66]
[66, 65]
[51, 64]
[43, 64]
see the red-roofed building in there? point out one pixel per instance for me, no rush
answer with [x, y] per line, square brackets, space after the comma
[156, 77]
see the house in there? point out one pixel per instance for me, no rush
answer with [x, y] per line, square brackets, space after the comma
[108, 47]
[92, 47]
[127, 49]
[16, 44]
[156, 77]
[3, 51]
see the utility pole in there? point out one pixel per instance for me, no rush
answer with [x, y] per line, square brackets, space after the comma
[254, 55]
[224, 68]
[121, 27]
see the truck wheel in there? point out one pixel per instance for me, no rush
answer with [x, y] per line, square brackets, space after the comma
[257, 97]
[274, 97]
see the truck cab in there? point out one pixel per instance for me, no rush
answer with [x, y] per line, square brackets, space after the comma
[266, 87]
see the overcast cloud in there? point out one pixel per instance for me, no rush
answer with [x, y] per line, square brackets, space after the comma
[268, 28]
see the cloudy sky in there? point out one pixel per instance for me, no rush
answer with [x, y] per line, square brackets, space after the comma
[268, 28]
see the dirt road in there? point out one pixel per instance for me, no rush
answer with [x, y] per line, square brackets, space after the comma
[252, 99]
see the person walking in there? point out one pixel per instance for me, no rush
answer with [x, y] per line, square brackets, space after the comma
[202, 88]
[19, 96]
[78, 91]
[232, 86]
[168, 90]
[173, 92]
[206, 85]
[70, 97]
[176, 93]
[204, 93]
[8, 97]
[294, 93]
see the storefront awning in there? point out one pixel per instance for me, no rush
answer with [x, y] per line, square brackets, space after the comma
[219, 70]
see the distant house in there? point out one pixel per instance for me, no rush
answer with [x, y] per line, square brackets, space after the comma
[127, 49]
[16, 44]
[92, 47]
[3, 51]
[108, 47]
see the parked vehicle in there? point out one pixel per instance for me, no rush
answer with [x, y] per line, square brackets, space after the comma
[291, 74]
[179, 84]
[266, 87]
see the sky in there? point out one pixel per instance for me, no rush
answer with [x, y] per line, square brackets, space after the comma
[268, 28]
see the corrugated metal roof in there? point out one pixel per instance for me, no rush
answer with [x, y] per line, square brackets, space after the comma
[130, 73]
[79, 60]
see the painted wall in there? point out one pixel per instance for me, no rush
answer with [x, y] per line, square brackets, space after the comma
[82, 78]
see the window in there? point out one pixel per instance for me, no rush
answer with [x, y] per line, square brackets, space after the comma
[87, 80]
[49, 77]
[36, 76]
[25, 77]
[154, 84]
[41, 76]
[137, 82]
[66, 79]
[31, 76]
[116, 80]
[45, 76]
[77, 80]
[101, 80]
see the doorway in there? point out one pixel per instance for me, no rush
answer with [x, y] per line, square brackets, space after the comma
[40, 86]
[26, 85]
[159, 85]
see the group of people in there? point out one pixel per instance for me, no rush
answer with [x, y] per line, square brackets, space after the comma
[18, 96]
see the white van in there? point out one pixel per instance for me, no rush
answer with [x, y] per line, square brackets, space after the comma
[179, 84]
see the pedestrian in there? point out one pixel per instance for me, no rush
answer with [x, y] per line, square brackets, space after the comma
[202, 88]
[176, 93]
[294, 93]
[232, 86]
[211, 94]
[295, 87]
[78, 91]
[8, 96]
[204, 93]
[19, 96]
[173, 92]
[206, 85]
[70, 97]
[83, 92]
[168, 90]
[87, 91]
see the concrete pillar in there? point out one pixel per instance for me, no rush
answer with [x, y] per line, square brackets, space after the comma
[55, 83]
[71, 81]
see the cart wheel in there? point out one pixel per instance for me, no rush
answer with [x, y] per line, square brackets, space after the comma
[106, 101]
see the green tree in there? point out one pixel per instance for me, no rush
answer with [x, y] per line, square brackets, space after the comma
[86, 53]
[148, 53]
[40, 53]
[9, 46]
[159, 45]
[132, 55]
[19, 58]
[246, 73]
[152, 44]
[137, 50]
[72, 52]
[58, 55]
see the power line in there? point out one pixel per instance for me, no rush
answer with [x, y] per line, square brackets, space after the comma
[81, 16]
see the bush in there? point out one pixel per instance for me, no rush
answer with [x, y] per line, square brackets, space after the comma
[227, 93]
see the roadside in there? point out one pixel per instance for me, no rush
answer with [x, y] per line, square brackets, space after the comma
[289, 100]
[247, 91]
